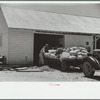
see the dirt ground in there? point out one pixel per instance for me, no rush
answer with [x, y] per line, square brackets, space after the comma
[45, 74]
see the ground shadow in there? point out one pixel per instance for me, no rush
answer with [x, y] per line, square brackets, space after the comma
[28, 71]
[95, 78]
[71, 69]
[74, 70]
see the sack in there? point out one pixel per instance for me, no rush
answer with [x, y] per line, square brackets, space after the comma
[46, 55]
[73, 48]
[52, 51]
[67, 50]
[64, 55]
[84, 54]
[52, 55]
[73, 52]
[79, 57]
[72, 57]
[84, 51]
[79, 53]
[77, 50]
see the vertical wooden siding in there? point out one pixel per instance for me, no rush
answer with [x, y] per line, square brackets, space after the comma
[20, 46]
[4, 36]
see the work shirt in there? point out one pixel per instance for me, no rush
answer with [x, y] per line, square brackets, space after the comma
[88, 48]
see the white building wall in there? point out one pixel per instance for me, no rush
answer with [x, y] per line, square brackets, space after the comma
[3, 36]
[78, 40]
[20, 46]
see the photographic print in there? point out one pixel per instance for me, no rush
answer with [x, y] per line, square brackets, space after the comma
[43, 42]
[49, 50]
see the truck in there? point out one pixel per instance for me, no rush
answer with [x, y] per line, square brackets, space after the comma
[88, 64]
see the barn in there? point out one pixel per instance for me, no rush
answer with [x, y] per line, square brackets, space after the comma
[24, 32]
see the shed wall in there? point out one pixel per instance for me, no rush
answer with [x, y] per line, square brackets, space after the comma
[3, 36]
[20, 46]
[78, 40]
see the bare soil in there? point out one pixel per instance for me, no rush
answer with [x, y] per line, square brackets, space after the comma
[45, 74]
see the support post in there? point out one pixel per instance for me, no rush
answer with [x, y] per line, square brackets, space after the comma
[95, 43]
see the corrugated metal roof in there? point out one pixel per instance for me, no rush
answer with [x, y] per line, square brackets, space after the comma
[29, 19]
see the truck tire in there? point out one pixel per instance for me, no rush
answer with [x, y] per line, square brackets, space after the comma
[88, 69]
[64, 66]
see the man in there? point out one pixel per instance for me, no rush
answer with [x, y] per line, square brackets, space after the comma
[41, 55]
[88, 47]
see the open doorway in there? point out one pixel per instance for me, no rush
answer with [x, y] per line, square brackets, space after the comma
[98, 44]
[41, 39]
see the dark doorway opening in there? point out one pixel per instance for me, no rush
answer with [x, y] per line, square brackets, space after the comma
[98, 44]
[41, 39]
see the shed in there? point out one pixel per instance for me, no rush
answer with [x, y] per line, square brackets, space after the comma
[24, 32]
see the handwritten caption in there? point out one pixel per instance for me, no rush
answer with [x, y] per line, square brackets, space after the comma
[54, 84]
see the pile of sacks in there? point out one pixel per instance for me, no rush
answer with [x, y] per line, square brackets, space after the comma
[54, 53]
[69, 53]
[73, 53]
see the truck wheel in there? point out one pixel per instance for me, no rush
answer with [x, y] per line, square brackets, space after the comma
[88, 69]
[64, 66]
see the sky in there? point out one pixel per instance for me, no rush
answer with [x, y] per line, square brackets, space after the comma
[82, 9]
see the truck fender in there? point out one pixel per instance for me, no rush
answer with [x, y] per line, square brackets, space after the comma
[93, 61]
[97, 64]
